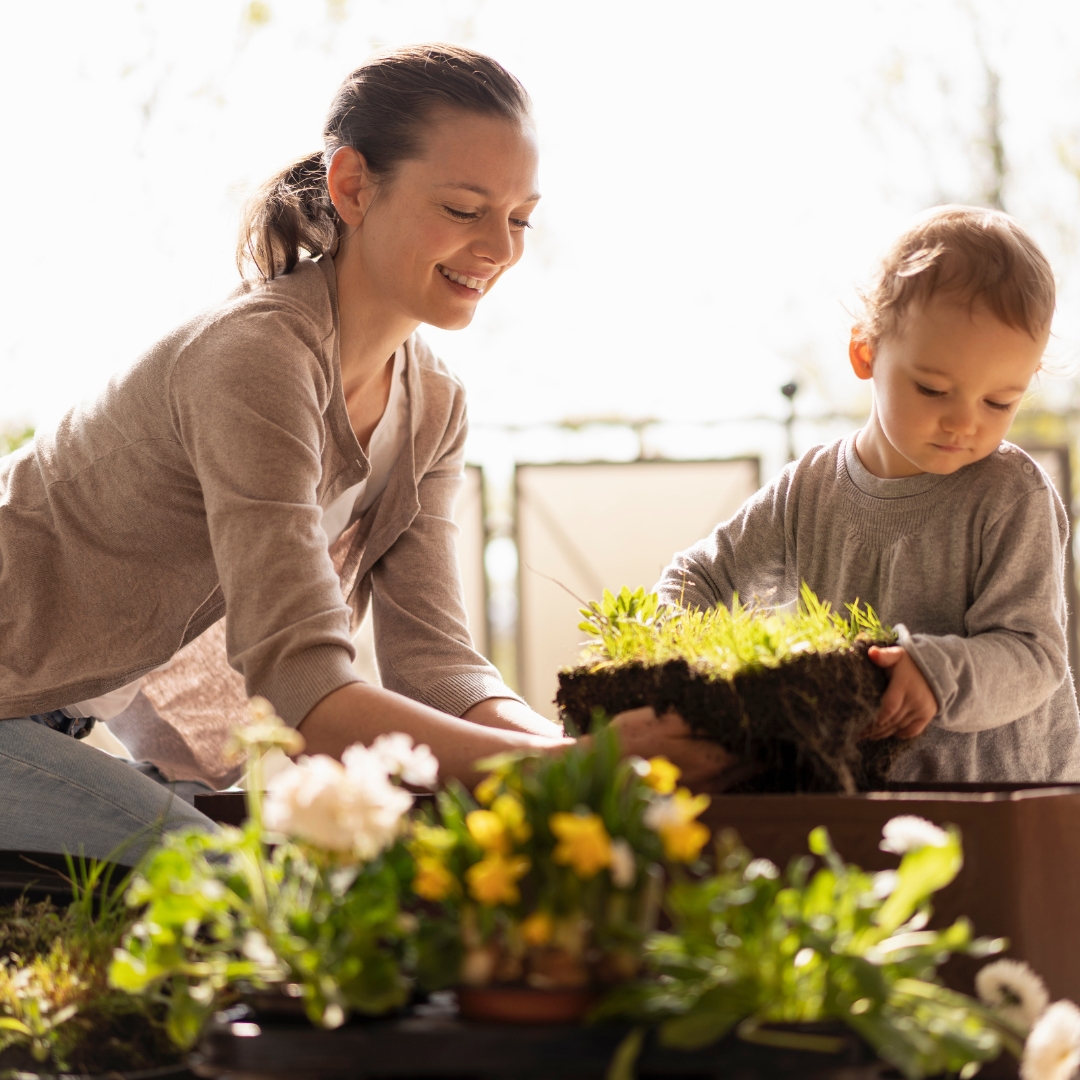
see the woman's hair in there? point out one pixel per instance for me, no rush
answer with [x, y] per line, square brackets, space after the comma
[973, 256]
[380, 111]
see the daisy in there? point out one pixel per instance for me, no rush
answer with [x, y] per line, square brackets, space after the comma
[1053, 1047]
[1013, 991]
[909, 833]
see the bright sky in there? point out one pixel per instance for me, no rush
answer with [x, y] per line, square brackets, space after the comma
[716, 177]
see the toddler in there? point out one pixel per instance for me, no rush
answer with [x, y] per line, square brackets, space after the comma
[955, 537]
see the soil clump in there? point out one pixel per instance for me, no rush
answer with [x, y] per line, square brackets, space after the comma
[796, 727]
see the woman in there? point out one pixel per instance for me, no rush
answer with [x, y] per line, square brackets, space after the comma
[286, 458]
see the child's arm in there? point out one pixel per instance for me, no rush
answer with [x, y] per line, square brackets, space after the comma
[1015, 655]
[747, 554]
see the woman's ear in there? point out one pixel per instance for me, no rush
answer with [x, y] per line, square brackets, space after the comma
[351, 185]
[861, 355]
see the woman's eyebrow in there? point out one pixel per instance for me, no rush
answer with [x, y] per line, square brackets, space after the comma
[483, 192]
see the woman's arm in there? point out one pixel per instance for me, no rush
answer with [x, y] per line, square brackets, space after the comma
[360, 713]
[513, 715]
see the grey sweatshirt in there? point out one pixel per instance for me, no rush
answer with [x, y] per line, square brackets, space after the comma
[969, 568]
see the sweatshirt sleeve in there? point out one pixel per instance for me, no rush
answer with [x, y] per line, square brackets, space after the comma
[422, 641]
[255, 442]
[748, 554]
[1015, 653]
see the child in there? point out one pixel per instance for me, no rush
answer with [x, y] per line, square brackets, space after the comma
[954, 536]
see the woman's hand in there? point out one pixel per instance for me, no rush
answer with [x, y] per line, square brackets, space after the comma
[908, 704]
[644, 734]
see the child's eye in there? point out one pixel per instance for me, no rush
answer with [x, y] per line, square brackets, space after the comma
[520, 223]
[461, 215]
[1001, 406]
[929, 391]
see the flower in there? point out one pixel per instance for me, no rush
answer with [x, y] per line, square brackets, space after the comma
[416, 765]
[584, 843]
[432, 880]
[347, 806]
[673, 819]
[487, 789]
[494, 879]
[1013, 991]
[511, 811]
[623, 864]
[909, 833]
[659, 774]
[265, 729]
[537, 929]
[488, 830]
[1052, 1051]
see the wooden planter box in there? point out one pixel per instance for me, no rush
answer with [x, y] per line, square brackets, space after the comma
[1021, 875]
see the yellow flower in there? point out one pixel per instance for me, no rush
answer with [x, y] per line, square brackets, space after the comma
[683, 843]
[487, 789]
[673, 818]
[432, 881]
[661, 775]
[537, 929]
[488, 830]
[584, 843]
[494, 879]
[511, 812]
[431, 839]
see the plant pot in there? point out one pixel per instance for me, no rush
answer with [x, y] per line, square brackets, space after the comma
[525, 1005]
[796, 727]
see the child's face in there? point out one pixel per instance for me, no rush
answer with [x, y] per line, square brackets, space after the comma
[947, 383]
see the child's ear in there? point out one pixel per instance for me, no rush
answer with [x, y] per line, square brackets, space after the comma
[861, 355]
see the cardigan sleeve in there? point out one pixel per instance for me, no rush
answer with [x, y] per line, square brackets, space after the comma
[422, 641]
[254, 443]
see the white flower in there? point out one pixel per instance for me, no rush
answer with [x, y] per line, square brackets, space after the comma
[416, 765]
[623, 864]
[255, 947]
[1013, 991]
[1052, 1051]
[348, 806]
[909, 833]
[884, 884]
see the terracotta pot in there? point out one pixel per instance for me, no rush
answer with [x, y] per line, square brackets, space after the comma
[525, 1005]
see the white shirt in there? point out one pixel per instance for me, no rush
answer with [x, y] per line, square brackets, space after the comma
[387, 442]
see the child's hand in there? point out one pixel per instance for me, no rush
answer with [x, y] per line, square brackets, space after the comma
[908, 704]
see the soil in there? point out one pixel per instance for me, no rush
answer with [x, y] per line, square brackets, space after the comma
[794, 728]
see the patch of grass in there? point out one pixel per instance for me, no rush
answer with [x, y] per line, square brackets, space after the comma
[719, 643]
[57, 1010]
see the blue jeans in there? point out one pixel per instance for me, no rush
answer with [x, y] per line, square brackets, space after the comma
[57, 795]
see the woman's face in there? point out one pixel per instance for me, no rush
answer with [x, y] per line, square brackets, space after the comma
[433, 239]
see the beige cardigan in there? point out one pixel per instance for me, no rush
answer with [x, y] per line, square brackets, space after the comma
[191, 489]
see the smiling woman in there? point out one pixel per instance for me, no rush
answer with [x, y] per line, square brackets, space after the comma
[217, 523]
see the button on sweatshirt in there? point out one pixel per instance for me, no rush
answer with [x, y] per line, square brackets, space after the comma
[969, 568]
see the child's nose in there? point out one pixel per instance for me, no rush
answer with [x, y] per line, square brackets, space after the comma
[960, 418]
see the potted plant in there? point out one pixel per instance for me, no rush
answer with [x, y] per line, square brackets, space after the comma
[542, 884]
[788, 693]
[762, 955]
[301, 906]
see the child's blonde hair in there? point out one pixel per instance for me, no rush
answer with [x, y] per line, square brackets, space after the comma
[974, 256]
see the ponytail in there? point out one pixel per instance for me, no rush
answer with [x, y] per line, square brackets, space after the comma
[290, 213]
[379, 111]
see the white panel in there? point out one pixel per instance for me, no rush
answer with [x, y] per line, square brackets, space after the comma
[597, 526]
[469, 516]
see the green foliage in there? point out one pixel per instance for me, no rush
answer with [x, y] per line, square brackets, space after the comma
[634, 628]
[55, 1000]
[750, 947]
[11, 438]
[225, 910]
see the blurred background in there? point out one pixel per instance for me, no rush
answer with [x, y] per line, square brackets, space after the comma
[718, 178]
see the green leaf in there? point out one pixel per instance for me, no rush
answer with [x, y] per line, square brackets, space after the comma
[921, 873]
[624, 1060]
[8, 1023]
